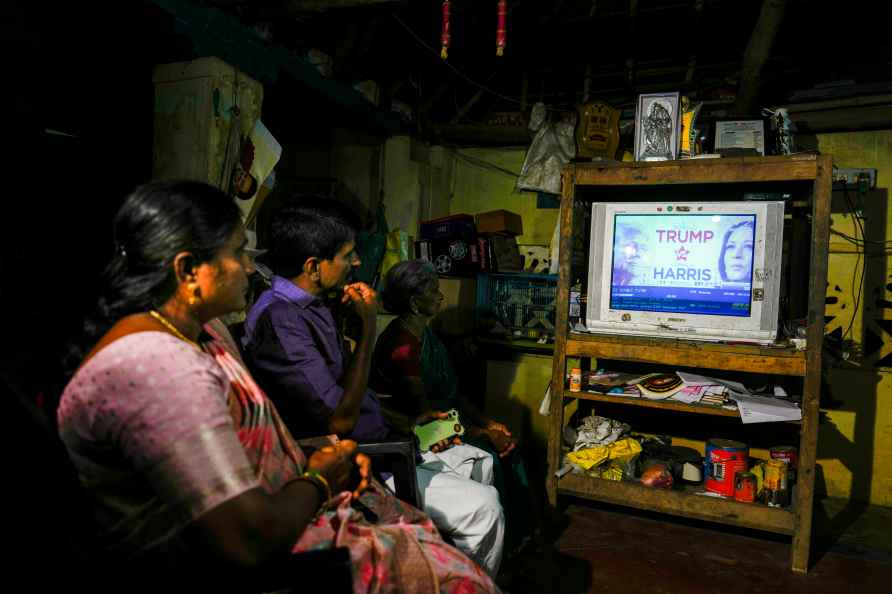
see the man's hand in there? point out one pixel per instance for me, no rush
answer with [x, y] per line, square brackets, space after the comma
[364, 300]
[340, 464]
[443, 444]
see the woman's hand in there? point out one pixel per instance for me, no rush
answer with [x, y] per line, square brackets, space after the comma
[433, 415]
[340, 464]
[500, 438]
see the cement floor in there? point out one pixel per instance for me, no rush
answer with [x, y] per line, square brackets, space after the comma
[590, 548]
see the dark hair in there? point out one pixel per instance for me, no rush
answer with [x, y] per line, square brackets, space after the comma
[722, 272]
[404, 281]
[307, 227]
[156, 222]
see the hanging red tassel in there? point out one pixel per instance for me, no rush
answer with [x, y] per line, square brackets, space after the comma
[444, 36]
[500, 29]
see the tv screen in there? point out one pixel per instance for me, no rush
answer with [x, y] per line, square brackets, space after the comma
[697, 270]
[683, 263]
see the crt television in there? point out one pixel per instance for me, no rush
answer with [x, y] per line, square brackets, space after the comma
[697, 270]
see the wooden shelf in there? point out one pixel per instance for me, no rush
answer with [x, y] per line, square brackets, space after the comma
[673, 405]
[810, 226]
[685, 353]
[700, 171]
[702, 409]
[682, 502]
[527, 345]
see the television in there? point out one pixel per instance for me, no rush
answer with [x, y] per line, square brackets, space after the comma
[694, 270]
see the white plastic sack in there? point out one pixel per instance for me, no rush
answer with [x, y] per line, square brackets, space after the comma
[552, 147]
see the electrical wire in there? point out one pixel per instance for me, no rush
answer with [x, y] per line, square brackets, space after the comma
[858, 261]
[461, 74]
[484, 164]
[861, 241]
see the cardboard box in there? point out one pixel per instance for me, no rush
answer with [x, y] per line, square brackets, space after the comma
[452, 227]
[506, 256]
[451, 257]
[500, 222]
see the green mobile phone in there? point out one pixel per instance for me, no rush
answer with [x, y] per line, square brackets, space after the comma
[438, 430]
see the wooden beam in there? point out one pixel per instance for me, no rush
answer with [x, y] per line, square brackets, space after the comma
[524, 90]
[851, 119]
[692, 58]
[435, 96]
[587, 82]
[479, 135]
[631, 62]
[302, 6]
[467, 106]
[474, 99]
[757, 51]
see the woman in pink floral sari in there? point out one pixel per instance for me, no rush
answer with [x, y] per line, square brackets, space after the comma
[183, 455]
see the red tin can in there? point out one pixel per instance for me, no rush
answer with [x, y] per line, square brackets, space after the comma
[745, 487]
[725, 458]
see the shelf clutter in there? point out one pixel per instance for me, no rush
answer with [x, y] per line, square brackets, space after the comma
[607, 449]
[684, 388]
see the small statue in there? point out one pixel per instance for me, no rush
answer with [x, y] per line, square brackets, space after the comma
[657, 131]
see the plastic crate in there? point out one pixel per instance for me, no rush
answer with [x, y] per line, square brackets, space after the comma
[523, 305]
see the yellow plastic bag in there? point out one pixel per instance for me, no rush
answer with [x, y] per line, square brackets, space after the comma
[589, 457]
[621, 451]
[397, 250]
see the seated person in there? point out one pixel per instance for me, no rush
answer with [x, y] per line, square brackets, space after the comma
[412, 364]
[183, 457]
[294, 348]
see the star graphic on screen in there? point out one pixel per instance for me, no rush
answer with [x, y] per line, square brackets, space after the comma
[681, 254]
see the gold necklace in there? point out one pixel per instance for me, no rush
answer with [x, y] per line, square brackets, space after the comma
[172, 328]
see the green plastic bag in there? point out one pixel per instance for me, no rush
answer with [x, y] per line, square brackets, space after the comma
[370, 246]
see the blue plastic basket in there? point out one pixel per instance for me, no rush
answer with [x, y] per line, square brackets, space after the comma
[522, 304]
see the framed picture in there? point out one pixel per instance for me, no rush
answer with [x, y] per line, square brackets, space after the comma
[657, 127]
[740, 134]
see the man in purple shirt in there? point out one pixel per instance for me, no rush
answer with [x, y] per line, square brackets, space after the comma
[292, 343]
[294, 350]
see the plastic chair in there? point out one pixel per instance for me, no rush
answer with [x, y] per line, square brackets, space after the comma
[397, 457]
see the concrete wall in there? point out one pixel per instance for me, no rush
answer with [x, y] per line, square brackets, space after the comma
[414, 178]
[356, 165]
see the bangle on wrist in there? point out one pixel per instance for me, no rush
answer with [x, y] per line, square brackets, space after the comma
[321, 484]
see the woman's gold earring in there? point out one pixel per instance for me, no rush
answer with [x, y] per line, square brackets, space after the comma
[194, 293]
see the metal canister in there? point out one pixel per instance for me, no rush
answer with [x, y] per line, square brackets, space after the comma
[775, 487]
[576, 379]
[724, 459]
[790, 455]
[745, 487]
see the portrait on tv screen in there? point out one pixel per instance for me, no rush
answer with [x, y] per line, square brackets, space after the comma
[686, 263]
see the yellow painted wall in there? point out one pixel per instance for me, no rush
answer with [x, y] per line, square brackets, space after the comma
[855, 443]
[479, 189]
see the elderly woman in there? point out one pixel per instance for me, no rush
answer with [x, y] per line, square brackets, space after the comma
[182, 455]
[412, 365]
